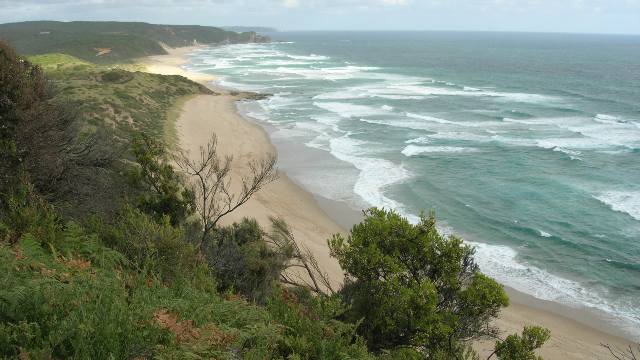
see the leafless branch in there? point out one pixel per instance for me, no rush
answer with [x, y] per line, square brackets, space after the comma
[626, 354]
[301, 257]
[212, 183]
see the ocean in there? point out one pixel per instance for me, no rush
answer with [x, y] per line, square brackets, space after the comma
[525, 145]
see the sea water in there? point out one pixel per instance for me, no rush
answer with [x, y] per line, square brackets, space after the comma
[526, 145]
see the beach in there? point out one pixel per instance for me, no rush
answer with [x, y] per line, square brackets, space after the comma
[311, 221]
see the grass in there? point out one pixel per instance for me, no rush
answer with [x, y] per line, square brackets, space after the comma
[65, 294]
[114, 105]
[171, 136]
[122, 101]
[57, 61]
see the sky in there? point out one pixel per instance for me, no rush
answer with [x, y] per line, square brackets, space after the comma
[582, 16]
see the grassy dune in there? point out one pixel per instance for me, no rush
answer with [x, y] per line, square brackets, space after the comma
[113, 105]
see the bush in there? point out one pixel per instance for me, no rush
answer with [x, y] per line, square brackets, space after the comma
[517, 347]
[243, 262]
[309, 328]
[41, 141]
[116, 76]
[54, 306]
[162, 193]
[22, 91]
[151, 247]
[413, 287]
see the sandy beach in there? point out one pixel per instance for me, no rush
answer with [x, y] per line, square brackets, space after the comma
[312, 224]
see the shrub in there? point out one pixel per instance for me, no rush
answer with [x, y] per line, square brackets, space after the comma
[22, 91]
[413, 287]
[54, 306]
[116, 76]
[522, 347]
[151, 247]
[243, 262]
[162, 192]
[309, 328]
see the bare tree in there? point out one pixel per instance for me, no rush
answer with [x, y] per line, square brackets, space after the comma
[300, 258]
[212, 183]
[626, 354]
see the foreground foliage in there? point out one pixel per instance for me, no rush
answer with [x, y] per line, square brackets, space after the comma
[67, 295]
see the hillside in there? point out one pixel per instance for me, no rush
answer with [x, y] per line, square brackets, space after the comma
[111, 42]
[111, 105]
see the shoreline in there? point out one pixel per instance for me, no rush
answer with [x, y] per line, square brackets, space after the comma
[308, 214]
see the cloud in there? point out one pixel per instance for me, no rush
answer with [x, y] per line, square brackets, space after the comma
[395, 2]
[291, 3]
[512, 15]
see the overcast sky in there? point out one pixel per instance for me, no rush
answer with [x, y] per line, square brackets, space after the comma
[592, 16]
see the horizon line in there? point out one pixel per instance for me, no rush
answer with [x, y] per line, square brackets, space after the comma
[559, 32]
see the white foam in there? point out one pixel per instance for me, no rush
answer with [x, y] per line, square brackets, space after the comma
[627, 202]
[473, 124]
[309, 57]
[413, 150]
[288, 133]
[610, 134]
[544, 234]
[332, 73]
[581, 143]
[447, 91]
[420, 140]
[321, 142]
[257, 115]
[224, 83]
[603, 131]
[501, 263]
[375, 174]
[573, 154]
[348, 110]
[376, 90]
[431, 119]
[403, 123]
[607, 119]
[397, 97]
[460, 136]
[278, 101]
[280, 62]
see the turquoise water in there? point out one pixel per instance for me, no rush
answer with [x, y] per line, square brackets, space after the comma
[527, 145]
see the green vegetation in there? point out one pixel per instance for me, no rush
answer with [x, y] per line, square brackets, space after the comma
[112, 42]
[147, 273]
[112, 106]
[53, 62]
[413, 287]
[522, 347]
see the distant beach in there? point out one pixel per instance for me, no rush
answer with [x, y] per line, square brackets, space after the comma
[314, 218]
